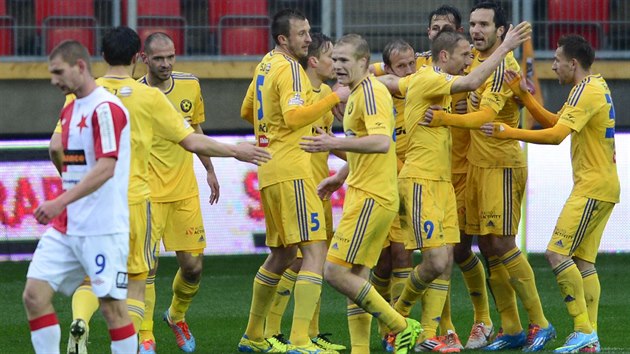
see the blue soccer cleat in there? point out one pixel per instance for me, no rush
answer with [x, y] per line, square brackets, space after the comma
[576, 341]
[185, 339]
[507, 341]
[537, 337]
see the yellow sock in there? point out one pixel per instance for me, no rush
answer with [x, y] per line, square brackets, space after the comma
[183, 293]
[84, 303]
[592, 292]
[265, 284]
[572, 290]
[313, 328]
[414, 289]
[308, 289]
[381, 285]
[273, 323]
[373, 303]
[135, 308]
[446, 321]
[432, 306]
[359, 325]
[399, 277]
[524, 283]
[475, 280]
[504, 296]
[146, 328]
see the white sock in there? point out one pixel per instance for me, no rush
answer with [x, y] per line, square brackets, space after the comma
[46, 340]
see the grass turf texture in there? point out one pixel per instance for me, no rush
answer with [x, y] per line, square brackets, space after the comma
[218, 315]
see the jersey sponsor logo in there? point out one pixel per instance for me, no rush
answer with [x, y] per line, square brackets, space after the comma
[262, 128]
[559, 243]
[335, 246]
[263, 141]
[121, 280]
[195, 230]
[74, 157]
[98, 281]
[185, 105]
[400, 131]
[296, 100]
[349, 133]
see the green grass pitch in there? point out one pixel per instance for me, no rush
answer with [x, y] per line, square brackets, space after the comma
[218, 315]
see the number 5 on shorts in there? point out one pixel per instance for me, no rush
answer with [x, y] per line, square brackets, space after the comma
[314, 221]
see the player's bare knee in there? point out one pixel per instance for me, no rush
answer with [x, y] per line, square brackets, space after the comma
[554, 258]
[461, 252]
[113, 310]
[32, 299]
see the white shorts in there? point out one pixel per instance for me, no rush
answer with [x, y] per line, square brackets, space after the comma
[63, 262]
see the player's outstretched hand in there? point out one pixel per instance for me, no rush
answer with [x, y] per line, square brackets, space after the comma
[430, 120]
[328, 186]
[213, 183]
[495, 130]
[514, 81]
[48, 210]
[515, 36]
[248, 152]
[318, 143]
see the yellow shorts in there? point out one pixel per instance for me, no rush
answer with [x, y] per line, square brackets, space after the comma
[580, 227]
[141, 258]
[459, 184]
[329, 224]
[431, 212]
[178, 225]
[293, 213]
[493, 200]
[396, 232]
[361, 231]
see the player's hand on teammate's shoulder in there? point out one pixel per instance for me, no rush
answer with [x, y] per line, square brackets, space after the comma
[342, 91]
[514, 81]
[248, 152]
[517, 35]
[461, 107]
[495, 130]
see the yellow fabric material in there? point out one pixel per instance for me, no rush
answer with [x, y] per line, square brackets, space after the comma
[359, 326]
[84, 303]
[262, 296]
[475, 280]
[414, 290]
[446, 320]
[592, 293]
[135, 308]
[325, 122]
[183, 294]
[308, 289]
[432, 306]
[504, 296]
[572, 289]
[273, 323]
[146, 328]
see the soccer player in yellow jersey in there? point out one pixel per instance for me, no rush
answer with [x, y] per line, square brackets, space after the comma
[589, 117]
[279, 103]
[495, 185]
[175, 208]
[371, 200]
[151, 114]
[318, 67]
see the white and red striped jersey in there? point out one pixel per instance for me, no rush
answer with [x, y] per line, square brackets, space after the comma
[93, 127]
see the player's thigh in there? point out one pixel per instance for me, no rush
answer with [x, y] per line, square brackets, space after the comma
[105, 261]
[293, 213]
[362, 230]
[580, 227]
[55, 262]
[459, 185]
[184, 230]
[141, 248]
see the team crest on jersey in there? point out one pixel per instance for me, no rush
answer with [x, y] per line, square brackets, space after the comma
[185, 105]
[349, 132]
[125, 91]
[296, 100]
[263, 141]
[350, 107]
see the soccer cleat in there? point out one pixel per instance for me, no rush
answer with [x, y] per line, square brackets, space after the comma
[249, 346]
[507, 341]
[576, 341]
[479, 336]
[310, 348]
[278, 342]
[537, 337]
[406, 339]
[452, 340]
[147, 346]
[593, 348]
[389, 342]
[77, 341]
[185, 339]
[436, 345]
[323, 342]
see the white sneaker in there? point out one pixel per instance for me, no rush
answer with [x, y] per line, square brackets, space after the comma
[78, 338]
[479, 336]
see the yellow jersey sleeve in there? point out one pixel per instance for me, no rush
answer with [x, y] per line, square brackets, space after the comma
[320, 159]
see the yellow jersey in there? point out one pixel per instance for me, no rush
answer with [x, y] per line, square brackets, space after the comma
[370, 111]
[320, 159]
[399, 128]
[590, 113]
[494, 94]
[428, 148]
[171, 173]
[280, 85]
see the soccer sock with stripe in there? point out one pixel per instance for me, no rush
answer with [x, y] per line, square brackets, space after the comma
[359, 325]
[135, 308]
[524, 283]
[183, 294]
[45, 333]
[265, 285]
[124, 340]
[84, 304]
[308, 289]
[399, 277]
[592, 292]
[446, 320]
[146, 328]
[504, 296]
[373, 303]
[382, 286]
[572, 290]
[273, 323]
[475, 280]
[414, 289]
[432, 306]
[313, 328]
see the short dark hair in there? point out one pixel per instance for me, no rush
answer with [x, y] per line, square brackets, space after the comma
[71, 51]
[397, 45]
[281, 22]
[500, 17]
[577, 47]
[447, 10]
[446, 40]
[154, 37]
[120, 45]
[319, 43]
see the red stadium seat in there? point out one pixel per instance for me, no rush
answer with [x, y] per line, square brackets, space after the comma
[243, 35]
[173, 27]
[62, 8]
[153, 8]
[589, 19]
[57, 29]
[218, 9]
[6, 36]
